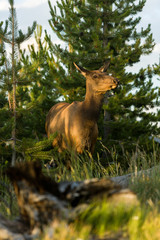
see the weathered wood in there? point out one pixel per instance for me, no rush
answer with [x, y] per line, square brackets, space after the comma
[125, 180]
[43, 201]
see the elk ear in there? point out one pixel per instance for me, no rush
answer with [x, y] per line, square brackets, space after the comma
[82, 70]
[105, 67]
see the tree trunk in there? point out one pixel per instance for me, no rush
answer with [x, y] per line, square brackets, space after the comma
[14, 92]
[9, 94]
[107, 116]
[106, 119]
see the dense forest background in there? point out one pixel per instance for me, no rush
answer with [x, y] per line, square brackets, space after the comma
[33, 80]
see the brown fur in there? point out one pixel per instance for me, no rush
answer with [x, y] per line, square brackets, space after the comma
[76, 123]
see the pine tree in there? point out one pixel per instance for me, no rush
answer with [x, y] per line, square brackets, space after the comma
[40, 92]
[95, 31]
[14, 38]
[36, 97]
[36, 93]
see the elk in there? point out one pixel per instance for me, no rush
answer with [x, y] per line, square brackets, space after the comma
[76, 123]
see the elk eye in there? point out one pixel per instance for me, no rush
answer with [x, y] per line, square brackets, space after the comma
[95, 76]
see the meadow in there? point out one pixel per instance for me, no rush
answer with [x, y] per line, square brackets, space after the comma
[103, 219]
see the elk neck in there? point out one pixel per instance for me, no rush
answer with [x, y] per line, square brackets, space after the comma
[92, 103]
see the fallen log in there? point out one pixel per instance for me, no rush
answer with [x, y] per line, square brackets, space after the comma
[43, 201]
[125, 180]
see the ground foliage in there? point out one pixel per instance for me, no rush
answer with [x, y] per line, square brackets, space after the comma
[103, 219]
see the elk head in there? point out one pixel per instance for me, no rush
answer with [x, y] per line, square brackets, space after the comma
[98, 79]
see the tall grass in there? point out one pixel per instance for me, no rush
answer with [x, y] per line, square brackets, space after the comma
[72, 167]
[102, 219]
[8, 202]
[146, 185]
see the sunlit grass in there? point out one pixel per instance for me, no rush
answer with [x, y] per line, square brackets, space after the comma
[8, 201]
[78, 168]
[104, 220]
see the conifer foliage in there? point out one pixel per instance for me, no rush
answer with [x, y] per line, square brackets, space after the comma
[93, 31]
[36, 93]
[41, 89]
[10, 67]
